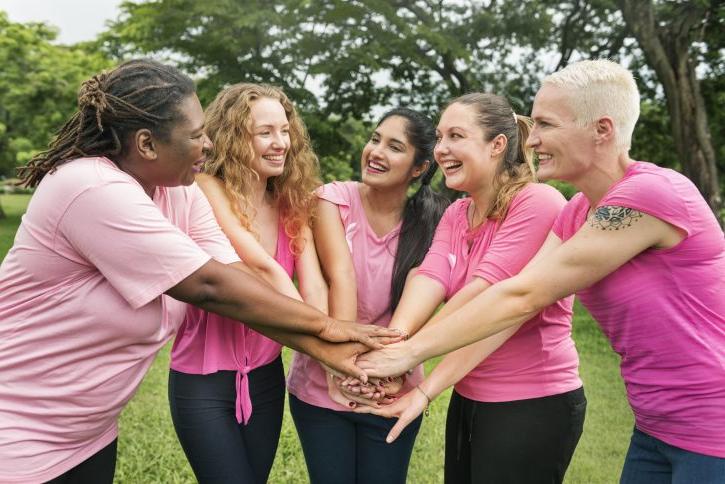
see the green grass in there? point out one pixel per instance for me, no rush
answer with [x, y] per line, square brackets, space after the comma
[149, 451]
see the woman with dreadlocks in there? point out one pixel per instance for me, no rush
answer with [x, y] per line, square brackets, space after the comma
[116, 238]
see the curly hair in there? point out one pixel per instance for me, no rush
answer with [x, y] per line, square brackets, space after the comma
[229, 125]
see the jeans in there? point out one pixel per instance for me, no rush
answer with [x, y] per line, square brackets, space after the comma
[219, 449]
[350, 448]
[651, 461]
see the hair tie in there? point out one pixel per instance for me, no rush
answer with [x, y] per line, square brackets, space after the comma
[91, 94]
[516, 120]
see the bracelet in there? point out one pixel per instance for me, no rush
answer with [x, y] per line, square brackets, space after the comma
[427, 405]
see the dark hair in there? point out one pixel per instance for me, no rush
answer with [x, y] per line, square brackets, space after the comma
[137, 94]
[495, 116]
[424, 209]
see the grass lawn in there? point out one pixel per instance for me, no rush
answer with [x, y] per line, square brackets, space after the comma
[149, 451]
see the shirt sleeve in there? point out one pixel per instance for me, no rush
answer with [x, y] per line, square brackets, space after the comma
[123, 234]
[205, 231]
[340, 194]
[437, 263]
[523, 231]
[653, 194]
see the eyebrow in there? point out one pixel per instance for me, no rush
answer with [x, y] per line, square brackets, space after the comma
[267, 125]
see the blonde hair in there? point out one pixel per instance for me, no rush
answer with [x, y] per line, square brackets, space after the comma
[599, 88]
[495, 116]
[229, 126]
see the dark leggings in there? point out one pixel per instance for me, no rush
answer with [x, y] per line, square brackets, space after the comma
[520, 442]
[219, 449]
[97, 469]
[350, 448]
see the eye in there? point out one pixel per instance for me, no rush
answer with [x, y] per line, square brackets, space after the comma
[396, 148]
[374, 140]
[456, 135]
[285, 131]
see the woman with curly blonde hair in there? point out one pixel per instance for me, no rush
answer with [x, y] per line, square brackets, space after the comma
[226, 383]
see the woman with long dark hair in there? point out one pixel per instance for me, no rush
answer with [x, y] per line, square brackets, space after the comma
[369, 236]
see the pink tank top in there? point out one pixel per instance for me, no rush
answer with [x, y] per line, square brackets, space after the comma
[207, 342]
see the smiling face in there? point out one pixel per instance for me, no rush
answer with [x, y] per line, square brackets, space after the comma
[564, 149]
[270, 137]
[462, 152]
[182, 156]
[387, 158]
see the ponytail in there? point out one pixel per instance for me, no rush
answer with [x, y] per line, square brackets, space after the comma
[421, 215]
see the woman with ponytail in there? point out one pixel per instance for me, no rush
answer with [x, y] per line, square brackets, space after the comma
[369, 236]
[517, 410]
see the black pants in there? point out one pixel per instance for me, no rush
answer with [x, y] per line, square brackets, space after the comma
[97, 469]
[219, 449]
[520, 442]
[350, 448]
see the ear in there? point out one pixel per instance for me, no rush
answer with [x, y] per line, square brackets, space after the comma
[143, 142]
[422, 168]
[499, 145]
[604, 128]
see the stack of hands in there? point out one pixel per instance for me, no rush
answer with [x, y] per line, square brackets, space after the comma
[381, 386]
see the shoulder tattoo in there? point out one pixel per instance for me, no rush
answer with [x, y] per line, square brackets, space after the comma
[612, 217]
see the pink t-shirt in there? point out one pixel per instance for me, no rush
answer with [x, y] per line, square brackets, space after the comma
[540, 358]
[373, 259]
[83, 313]
[207, 342]
[664, 311]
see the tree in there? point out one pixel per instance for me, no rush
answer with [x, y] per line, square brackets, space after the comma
[38, 85]
[343, 60]
[669, 34]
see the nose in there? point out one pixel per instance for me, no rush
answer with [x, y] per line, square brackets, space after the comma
[441, 148]
[207, 144]
[533, 139]
[278, 140]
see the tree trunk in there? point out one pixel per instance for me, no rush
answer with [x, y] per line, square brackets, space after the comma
[666, 46]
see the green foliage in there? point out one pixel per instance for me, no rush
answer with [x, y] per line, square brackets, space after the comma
[38, 85]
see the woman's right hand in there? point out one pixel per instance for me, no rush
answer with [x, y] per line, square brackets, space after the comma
[371, 335]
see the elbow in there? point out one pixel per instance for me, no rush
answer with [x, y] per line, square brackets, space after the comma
[529, 299]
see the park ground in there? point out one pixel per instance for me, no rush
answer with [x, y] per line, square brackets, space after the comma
[150, 453]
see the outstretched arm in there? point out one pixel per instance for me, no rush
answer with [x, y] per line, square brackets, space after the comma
[591, 254]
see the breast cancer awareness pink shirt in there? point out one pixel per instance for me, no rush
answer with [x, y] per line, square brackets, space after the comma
[540, 358]
[664, 310]
[373, 258]
[83, 310]
[207, 342]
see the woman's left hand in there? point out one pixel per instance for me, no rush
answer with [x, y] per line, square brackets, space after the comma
[407, 408]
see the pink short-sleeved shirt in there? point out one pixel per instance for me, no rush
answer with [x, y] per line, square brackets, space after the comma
[664, 310]
[207, 342]
[540, 359]
[83, 313]
[373, 259]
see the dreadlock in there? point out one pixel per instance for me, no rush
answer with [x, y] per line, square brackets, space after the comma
[135, 95]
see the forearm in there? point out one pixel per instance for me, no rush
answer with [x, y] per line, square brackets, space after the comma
[343, 298]
[501, 306]
[421, 296]
[278, 279]
[459, 363]
[238, 295]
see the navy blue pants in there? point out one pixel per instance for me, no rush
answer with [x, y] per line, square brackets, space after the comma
[219, 449]
[652, 461]
[97, 469]
[520, 442]
[350, 448]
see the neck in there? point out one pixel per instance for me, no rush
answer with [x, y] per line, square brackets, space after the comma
[482, 200]
[385, 201]
[129, 167]
[258, 192]
[604, 173]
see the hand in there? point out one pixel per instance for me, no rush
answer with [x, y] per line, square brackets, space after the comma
[371, 335]
[393, 360]
[407, 408]
[340, 359]
[378, 389]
